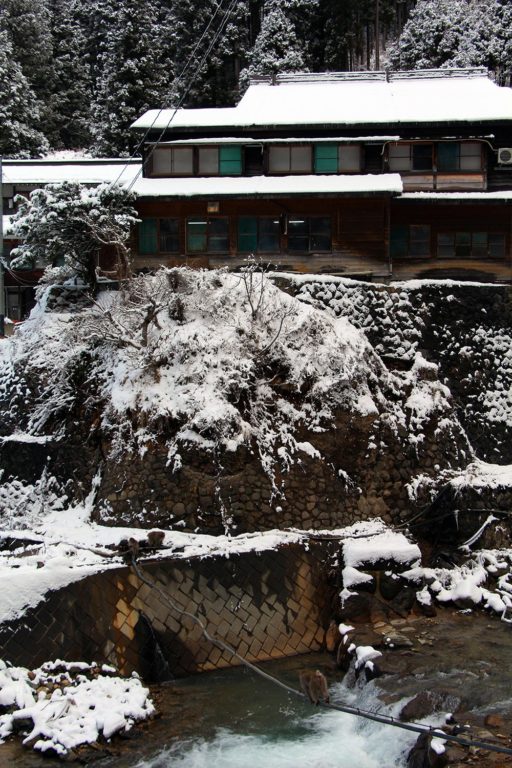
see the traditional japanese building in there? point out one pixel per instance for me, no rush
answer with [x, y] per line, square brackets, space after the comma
[381, 175]
[364, 174]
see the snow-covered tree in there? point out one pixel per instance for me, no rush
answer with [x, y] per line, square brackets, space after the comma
[72, 87]
[207, 76]
[277, 48]
[28, 24]
[19, 109]
[134, 75]
[67, 226]
[456, 33]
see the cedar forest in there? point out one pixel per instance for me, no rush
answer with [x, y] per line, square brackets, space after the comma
[74, 75]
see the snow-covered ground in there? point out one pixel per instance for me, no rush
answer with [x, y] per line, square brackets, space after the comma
[63, 705]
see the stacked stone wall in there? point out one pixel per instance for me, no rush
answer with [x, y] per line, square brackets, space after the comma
[266, 605]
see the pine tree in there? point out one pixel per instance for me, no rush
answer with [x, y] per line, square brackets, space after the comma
[202, 78]
[28, 25]
[68, 226]
[277, 47]
[72, 88]
[456, 33]
[133, 76]
[19, 109]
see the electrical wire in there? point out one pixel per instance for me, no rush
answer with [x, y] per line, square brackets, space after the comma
[178, 80]
[367, 715]
[201, 64]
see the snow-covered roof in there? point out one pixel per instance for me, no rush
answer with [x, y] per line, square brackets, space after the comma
[28, 172]
[263, 186]
[432, 96]
[288, 140]
[440, 197]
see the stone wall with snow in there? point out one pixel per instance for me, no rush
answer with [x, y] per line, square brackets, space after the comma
[210, 401]
[465, 328]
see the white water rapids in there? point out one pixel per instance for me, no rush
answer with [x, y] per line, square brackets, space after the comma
[294, 736]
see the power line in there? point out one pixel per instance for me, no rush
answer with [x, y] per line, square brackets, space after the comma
[202, 62]
[178, 80]
[375, 716]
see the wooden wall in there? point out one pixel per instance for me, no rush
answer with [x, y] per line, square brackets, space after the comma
[359, 226]
[451, 217]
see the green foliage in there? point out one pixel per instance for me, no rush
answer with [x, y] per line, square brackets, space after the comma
[67, 226]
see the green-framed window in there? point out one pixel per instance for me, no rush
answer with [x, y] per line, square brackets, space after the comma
[208, 234]
[459, 156]
[258, 234]
[337, 158]
[148, 236]
[159, 236]
[230, 160]
[326, 158]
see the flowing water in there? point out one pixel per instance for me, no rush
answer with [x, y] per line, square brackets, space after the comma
[234, 719]
[242, 721]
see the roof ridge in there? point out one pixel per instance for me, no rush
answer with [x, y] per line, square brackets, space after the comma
[286, 78]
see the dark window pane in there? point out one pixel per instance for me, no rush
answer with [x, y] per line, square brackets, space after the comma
[298, 243]
[448, 156]
[398, 243]
[268, 237]
[218, 235]
[320, 233]
[298, 234]
[497, 246]
[169, 235]
[320, 242]
[247, 233]
[419, 240]
[422, 157]
[298, 227]
[253, 160]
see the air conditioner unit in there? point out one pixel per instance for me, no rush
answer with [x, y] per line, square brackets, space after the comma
[505, 156]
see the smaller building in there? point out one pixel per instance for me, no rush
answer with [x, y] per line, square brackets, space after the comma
[21, 177]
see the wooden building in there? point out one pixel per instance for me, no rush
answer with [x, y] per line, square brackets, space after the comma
[373, 175]
[381, 175]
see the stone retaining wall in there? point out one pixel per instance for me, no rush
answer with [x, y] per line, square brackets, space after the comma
[267, 606]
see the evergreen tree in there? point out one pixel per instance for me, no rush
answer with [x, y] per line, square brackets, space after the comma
[28, 25]
[215, 74]
[133, 76]
[277, 48]
[67, 226]
[72, 88]
[456, 33]
[19, 109]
